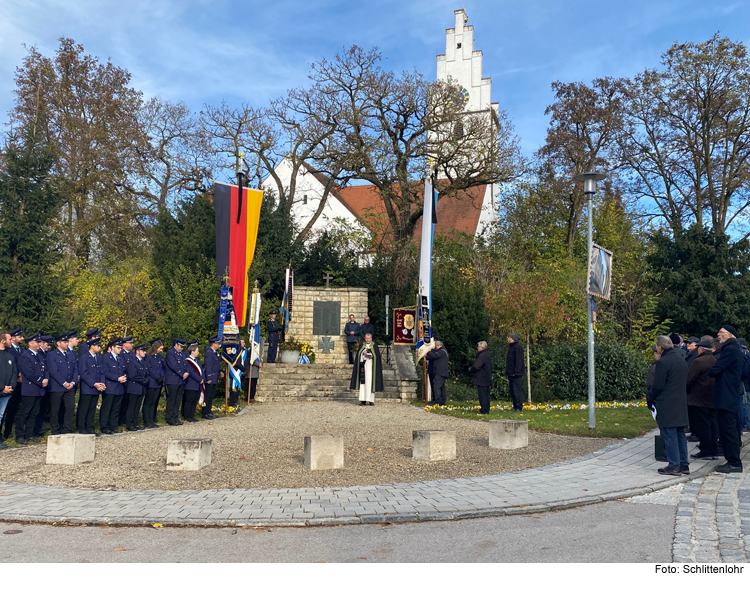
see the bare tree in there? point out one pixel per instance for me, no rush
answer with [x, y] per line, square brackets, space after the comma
[584, 121]
[686, 137]
[172, 159]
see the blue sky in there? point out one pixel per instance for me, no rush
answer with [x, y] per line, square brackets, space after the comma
[203, 51]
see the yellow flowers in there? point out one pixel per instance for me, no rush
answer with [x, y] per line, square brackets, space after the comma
[544, 407]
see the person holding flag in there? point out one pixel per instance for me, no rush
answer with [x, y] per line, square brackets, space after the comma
[425, 342]
[211, 373]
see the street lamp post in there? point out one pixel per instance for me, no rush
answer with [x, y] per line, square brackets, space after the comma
[589, 188]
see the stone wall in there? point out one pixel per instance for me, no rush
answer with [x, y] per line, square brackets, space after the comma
[353, 301]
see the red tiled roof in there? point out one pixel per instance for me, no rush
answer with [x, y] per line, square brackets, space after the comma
[458, 213]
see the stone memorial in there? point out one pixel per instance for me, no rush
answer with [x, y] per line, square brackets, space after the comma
[189, 454]
[71, 449]
[433, 446]
[507, 434]
[319, 316]
[324, 452]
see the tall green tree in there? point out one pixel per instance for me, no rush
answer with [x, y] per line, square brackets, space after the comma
[32, 292]
[702, 279]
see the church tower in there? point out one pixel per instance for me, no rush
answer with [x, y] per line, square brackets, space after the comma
[463, 65]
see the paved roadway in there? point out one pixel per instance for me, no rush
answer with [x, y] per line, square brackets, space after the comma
[614, 531]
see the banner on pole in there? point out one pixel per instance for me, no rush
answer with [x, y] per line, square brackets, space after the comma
[600, 273]
[404, 325]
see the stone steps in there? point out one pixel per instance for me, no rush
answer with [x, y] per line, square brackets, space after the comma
[328, 381]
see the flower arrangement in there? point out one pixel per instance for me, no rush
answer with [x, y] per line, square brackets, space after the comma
[291, 344]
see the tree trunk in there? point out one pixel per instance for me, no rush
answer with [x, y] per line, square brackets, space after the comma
[528, 365]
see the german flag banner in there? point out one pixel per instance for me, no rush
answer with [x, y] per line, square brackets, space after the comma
[237, 218]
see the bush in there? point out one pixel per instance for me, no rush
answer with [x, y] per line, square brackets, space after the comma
[560, 372]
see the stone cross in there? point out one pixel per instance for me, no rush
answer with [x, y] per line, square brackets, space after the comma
[326, 344]
[328, 278]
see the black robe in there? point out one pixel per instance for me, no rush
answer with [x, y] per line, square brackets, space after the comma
[377, 366]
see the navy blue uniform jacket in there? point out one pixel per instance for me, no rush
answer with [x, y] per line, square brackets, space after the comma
[193, 381]
[91, 373]
[211, 365]
[61, 369]
[137, 376]
[113, 369]
[156, 370]
[175, 368]
[32, 368]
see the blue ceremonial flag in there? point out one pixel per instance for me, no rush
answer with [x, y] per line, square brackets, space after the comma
[286, 302]
[253, 328]
[223, 310]
[424, 293]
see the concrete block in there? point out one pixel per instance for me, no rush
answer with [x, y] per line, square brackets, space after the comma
[509, 434]
[189, 454]
[433, 446]
[71, 449]
[324, 452]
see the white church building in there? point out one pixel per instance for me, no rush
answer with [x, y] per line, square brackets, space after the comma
[469, 213]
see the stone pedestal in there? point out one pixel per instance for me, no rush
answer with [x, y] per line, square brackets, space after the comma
[71, 449]
[329, 345]
[189, 454]
[433, 446]
[324, 452]
[509, 434]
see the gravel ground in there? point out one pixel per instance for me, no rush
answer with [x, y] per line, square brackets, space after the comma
[264, 449]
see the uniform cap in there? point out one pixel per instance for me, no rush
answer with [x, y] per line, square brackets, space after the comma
[152, 341]
[141, 347]
[114, 343]
[47, 338]
[127, 339]
[274, 311]
[93, 342]
[214, 339]
[191, 343]
[63, 338]
[179, 342]
[36, 337]
[17, 332]
[90, 333]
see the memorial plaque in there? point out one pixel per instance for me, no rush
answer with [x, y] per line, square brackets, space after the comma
[327, 318]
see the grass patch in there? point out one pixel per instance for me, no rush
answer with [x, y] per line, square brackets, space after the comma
[613, 419]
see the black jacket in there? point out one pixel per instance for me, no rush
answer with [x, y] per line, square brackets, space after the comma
[514, 361]
[700, 386]
[439, 358]
[8, 371]
[691, 356]
[670, 390]
[727, 372]
[482, 369]
[366, 329]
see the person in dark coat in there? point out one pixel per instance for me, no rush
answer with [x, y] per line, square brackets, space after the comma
[128, 355]
[677, 344]
[212, 373]
[670, 399]
[44, 348]
[351, 332]
[439, 358]
[366, 328]
[16, 340]
[92, 384]
[193, 383]
[367, 373]
[156, 372]
[8, 375]
[136, 386]
[33, 371]
[727, 371]
[115, 376]
[482, 376]
[514, 368]
[700, 389]
[63, 377]
[650, 378]
[273, 338]
[91, 335]
[175, 381]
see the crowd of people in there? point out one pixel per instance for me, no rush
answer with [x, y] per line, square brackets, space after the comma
[42, 381]
[700, 385]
